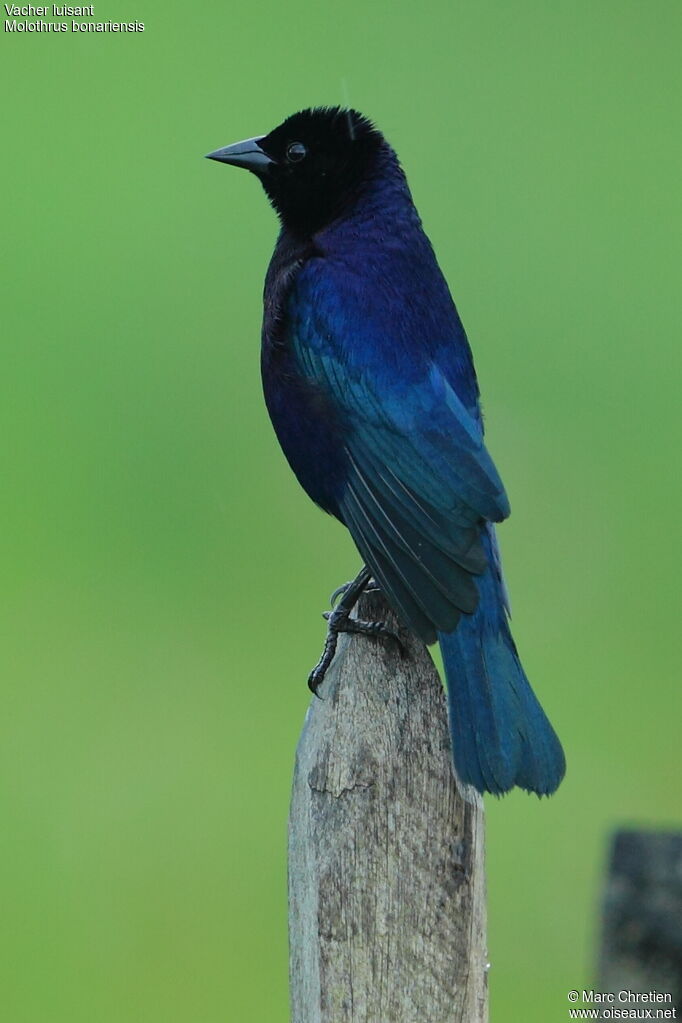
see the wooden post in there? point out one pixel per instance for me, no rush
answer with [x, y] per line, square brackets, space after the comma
[387, 917]
[641, 948]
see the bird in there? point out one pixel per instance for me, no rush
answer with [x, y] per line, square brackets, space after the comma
[369, 382]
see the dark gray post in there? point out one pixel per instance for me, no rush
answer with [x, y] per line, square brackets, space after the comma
[641, 948]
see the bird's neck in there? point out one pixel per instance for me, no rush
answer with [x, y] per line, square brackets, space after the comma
[382, 208]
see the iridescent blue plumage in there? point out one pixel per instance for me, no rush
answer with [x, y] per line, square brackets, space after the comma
[370, 384]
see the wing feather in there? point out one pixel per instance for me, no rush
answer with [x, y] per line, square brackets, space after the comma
[420, 483]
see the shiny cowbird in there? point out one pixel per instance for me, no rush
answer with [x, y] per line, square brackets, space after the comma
[370, 384]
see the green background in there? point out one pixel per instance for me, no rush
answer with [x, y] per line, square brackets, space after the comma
[162, 575]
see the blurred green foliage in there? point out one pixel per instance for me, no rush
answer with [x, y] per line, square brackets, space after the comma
[162, 575]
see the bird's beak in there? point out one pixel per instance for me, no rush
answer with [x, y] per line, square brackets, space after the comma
[246, 154]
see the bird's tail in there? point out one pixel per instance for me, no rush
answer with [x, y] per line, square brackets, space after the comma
[500, 734]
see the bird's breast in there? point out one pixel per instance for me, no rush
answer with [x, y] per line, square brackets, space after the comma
[307, 425]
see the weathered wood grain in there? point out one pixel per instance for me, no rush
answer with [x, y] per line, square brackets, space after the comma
[387, 916]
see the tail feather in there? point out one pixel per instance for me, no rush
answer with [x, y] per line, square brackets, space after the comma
[500, 734]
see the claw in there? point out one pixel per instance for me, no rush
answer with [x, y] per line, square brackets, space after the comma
[339, 621]
[371, 587]
[337, 593]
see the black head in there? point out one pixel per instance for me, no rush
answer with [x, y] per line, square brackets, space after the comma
[312, 166]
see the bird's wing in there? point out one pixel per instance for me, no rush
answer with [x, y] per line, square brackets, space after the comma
[420, 482]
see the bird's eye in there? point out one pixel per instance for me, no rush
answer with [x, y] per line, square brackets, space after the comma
[296, 152]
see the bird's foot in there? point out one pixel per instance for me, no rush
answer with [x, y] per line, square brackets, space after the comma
[339, 620]
[371, 587]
